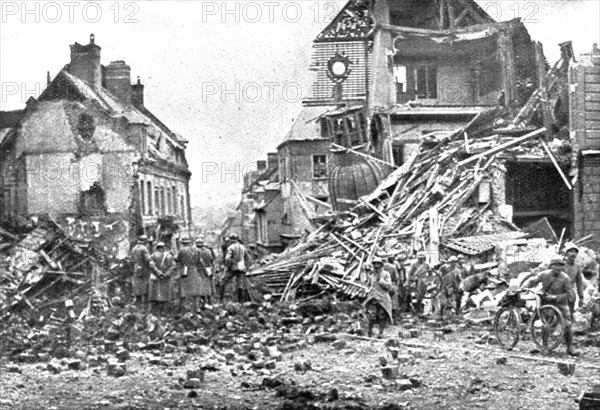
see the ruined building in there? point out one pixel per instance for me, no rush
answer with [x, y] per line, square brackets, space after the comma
[395, 77]
[90, 155]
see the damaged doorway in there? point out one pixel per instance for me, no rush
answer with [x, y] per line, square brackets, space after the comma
[536, 190]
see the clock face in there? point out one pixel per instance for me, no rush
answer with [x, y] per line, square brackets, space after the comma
[338, 68]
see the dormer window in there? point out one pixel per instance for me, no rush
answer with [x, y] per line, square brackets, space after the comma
[86, 126]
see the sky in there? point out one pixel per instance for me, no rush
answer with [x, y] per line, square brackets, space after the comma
[229, 76]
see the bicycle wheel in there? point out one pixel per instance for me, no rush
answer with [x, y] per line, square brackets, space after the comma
[547, 327]
[507, 325]
[429, 284]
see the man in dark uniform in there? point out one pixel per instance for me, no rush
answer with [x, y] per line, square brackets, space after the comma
[142, 268]
[160, 283]
[558, 291]
[403, 294]
[378, 305]
[189, 264]
[236, 261]
[575, 273]
[390, 266]
[207, 257]
[414, 271]
[450, 289]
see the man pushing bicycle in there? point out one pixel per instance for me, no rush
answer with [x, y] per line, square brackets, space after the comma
[558, 291]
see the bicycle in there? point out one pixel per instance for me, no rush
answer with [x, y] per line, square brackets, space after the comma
[545, 322]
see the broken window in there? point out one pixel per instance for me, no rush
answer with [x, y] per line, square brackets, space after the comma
[156, 201]
[426, 81]
[142, 198]
[174, 194]
[169, 201]
[338, 130]
[488, 78]
[398, 154]
[319, 166]
[93, 201]
[149, 195]
[86, 126]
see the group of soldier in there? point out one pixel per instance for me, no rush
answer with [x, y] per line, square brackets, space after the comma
[394, 289]
[186, 279]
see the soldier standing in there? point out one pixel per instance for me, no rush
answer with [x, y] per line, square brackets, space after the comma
[390, 267]
[558, 291]
[450, 286]
[236, 261]
[161, 287]
[207, 257]
[575, 273]
[414, 271]
[189, 263]
[142, 268]
[403, 295]
[378, 304]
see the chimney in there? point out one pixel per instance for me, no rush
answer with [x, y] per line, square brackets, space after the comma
[272, 160]
[261, 166]
[118, 80]
[137, 94]
[85, 63]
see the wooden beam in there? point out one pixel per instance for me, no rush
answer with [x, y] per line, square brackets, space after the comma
[542, 82]
[451, 14]
[462, 16]
[317, 202]
[442, 16]
[401, 29]
[504, 146]
[562, 174]
[360, 154]
[10, 235]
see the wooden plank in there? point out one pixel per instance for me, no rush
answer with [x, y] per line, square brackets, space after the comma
[502, 147]
[383, 216]
[48, 260]
[360, 154]
[10, 235]
[542, 80]
[562, 174]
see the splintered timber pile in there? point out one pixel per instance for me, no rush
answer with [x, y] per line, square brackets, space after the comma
[417, 207]
[424, 204]
[44, 269]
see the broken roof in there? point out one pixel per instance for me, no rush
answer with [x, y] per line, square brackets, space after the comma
[306, 126]
[408, 110]
[108, 102]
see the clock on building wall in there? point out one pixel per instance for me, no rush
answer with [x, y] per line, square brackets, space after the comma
[338, 67]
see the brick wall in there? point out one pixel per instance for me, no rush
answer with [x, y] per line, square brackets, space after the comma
[585, 135]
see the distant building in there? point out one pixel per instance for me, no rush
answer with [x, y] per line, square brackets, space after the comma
[90, 155]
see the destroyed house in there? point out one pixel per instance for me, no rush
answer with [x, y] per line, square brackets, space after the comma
[405, 75]
[399, 62]
[89, 154]
[395, 79]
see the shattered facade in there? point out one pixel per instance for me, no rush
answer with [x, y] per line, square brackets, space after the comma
[396, 78]
[89, 155]
[584, 86]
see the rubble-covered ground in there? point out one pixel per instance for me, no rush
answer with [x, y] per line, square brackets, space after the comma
[282, 357]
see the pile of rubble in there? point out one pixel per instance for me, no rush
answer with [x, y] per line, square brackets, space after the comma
[434, 203]
[44, 267]
[251, 336]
